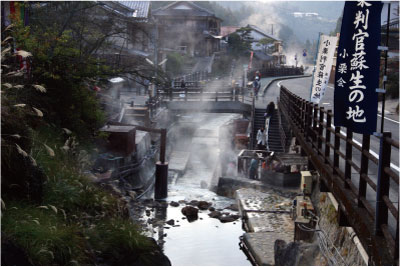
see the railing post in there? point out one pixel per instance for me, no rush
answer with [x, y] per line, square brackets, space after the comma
[309, 120]
[320, 129]
[170, 93]
[336, 149]
[186, 93]
[328, 135]
[382, 186]
[348, 157]
[216, 96]
[362, 186]
[299, 112]
[314, 126]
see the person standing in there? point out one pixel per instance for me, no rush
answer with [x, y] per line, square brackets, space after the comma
[261, 139]
[253, 168]
[269, 110]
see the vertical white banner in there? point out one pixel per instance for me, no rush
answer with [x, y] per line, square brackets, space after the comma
[323, 67]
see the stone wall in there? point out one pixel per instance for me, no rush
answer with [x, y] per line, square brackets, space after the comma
[343, 238]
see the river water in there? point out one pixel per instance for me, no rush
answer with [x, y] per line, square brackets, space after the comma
[205, 241]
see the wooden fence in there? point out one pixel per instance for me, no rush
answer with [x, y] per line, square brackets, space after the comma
[344, 167]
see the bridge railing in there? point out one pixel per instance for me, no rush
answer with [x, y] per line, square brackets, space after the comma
[345, 169]
[203, 94]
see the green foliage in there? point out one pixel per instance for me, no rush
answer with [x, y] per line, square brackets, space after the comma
[75, 219]
[175, 63]
[69, 101]
[131, 244]
[44, 235]
[240, 42]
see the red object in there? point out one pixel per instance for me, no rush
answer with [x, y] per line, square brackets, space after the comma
[96, 88]
[12, 7]
[251, 60]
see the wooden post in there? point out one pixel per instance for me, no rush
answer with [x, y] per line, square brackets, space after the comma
[320, 129]
[314, 126]
[382, 187]
[161, 183]
[336, 149]
[362, 186]
[328, 136]
[348, 157]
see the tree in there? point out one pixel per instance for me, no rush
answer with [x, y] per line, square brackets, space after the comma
[240, 42]
[74, 46]
[265, 42]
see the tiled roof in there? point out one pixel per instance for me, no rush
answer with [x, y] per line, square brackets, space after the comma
[254, 27]
[196, 10]
[142, 8]
[226, 30]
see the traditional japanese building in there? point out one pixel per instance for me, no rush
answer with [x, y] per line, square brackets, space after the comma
[187, 28]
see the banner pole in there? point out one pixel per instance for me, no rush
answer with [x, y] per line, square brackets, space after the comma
[385, 70]
[315, 62]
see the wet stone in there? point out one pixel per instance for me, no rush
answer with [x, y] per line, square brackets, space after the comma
[203, 205]
[211, 208]
[190, 212]
[174, 204]
[170, 222]
[215, 214]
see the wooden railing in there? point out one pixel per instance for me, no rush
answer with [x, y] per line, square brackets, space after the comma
[347, 175]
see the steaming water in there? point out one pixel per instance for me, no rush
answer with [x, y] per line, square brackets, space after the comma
[205, 241]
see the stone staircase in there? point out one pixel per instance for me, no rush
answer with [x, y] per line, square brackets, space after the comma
[259, 122]
[274, 138]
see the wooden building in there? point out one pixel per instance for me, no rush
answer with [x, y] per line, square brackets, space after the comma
[187, 28]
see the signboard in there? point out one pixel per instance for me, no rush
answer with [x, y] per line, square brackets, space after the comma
[326, 51]
[357, 67]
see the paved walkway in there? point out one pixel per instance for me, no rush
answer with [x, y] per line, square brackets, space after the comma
[270, 93]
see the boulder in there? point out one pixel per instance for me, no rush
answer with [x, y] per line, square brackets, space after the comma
[211, 208]
[203, 205]
[174, 204]
[228, 218]
[215, 214]
[190, 212]
[170, 222]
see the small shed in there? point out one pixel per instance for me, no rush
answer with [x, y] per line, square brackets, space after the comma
[121, 140]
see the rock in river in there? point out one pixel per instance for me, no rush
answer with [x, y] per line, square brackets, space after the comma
[170, 222]
[174, 204]
[227, 218]
[215, 214]
[203, 205]
[190, 212]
